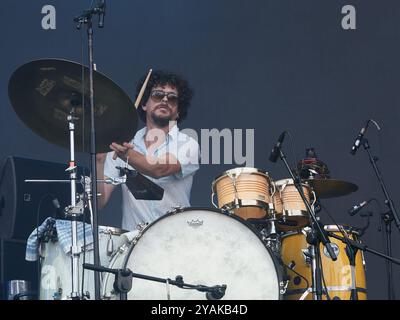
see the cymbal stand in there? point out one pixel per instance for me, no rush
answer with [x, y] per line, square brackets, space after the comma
[73, 211]
[317, 235]
[86, 19]
[387, 217]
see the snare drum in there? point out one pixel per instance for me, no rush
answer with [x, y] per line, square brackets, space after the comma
[56, 279]
[289, 206]
[244, 191]
[340, 277]
[205, 247]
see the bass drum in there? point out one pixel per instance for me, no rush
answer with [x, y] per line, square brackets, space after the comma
[205, 247]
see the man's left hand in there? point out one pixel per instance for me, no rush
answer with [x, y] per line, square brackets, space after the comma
[121, 151]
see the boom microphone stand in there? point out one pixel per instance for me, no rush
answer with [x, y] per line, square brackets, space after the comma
[388, 217]
[363, 247]
[392, 214]
[318, 234]
[124, 277]
[86, 18]
[358, 246]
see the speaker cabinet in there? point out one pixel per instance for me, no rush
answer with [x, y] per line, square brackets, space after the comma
[13, 265]
[23, 205]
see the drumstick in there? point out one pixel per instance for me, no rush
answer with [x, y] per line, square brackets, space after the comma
[140, 95]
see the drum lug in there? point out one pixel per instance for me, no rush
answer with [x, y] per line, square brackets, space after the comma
[124, 247]
[271, 209]
[283, 286]
[141, 226]
[110, 245]
[134, 240]
[306, 256]
[175, 210]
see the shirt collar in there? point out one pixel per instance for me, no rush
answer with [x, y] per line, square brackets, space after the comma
[140, 134]
[172, 133]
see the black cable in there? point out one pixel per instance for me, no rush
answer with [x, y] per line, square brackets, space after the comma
[371, 214]
[83, 149]
[323, 280]
[280, 261]
[377, 203]
[298, 274]
[294, 155]
[85, 205]
[383, 234]
[83, 255]
[340, 228]
[380, 142]
[345, 237]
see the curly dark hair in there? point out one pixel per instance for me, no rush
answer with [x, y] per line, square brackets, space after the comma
[162, 78]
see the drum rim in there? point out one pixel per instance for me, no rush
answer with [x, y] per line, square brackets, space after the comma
[290, 214]
[334, 228]
[243, 203]
[275, 260]
[294, 213]
[328, 227]
[290, 181]
[243, 170]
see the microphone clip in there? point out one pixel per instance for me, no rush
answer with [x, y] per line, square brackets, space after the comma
[360, 138]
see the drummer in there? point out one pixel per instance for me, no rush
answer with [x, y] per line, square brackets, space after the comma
[160, 151]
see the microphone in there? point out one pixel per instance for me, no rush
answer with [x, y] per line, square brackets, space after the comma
[357, 142]
[277, 148]
[216, 293]
[356, 208]
[102, 13]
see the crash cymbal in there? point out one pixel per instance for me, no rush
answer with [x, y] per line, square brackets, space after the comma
[330, 188]
[44, 92]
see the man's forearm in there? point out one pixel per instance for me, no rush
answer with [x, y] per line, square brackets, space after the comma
[100, 185]
[151, 166]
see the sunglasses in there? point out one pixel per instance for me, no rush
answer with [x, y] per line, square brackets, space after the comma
[158, 95]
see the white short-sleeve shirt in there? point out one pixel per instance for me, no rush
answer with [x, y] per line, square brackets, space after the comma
[176, 187]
